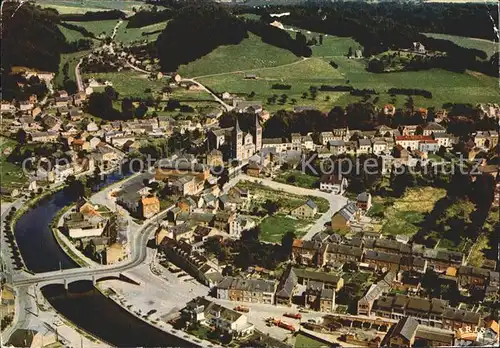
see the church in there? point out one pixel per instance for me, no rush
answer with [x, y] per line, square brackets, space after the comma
[235, 143]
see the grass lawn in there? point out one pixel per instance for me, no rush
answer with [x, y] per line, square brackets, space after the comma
[446, 86]
[274, 227]
[10, 174]
[98, 27]
[303, 341]
[297, 178]
[130, 83]
[129, 35]
[71, 35]
[287, 201]
[251, 53]
[300, 75]
[403, 216]
[487, 46]
[72, 59]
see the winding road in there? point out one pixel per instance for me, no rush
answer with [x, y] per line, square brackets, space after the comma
[336, 201]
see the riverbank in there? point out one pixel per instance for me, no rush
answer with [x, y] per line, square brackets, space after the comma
[65, 243]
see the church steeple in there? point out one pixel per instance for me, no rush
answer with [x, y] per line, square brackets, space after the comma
[258, 134]
[237, 127]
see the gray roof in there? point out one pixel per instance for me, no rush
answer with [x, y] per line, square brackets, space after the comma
[406, 327]
[311, 204]
[287, 284]
[256, 285]
[322, 277]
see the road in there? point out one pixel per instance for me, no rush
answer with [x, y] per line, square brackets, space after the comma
[336, 202]
[78, 77]
[217, 99]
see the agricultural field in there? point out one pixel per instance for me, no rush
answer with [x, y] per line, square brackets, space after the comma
[10, 174]
[446, 86]
[98, 27]
[82, 6]
[300, 75]
[129, 35]
[72, 59]
[251, 53]
[272, 228]
[403, 215]
[489, 47]
[287, 201]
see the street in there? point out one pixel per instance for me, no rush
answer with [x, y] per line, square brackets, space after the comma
[336, 202]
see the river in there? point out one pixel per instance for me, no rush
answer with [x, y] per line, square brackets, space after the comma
[82, 304]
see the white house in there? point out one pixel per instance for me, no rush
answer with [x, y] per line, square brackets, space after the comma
[333, 183]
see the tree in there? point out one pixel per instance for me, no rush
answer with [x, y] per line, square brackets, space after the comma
[21, 136]
[128, 109]
[287, 243]
[349, 53]
[270, 206]
[321, 39]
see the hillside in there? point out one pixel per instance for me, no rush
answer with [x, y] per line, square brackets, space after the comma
[31, 37]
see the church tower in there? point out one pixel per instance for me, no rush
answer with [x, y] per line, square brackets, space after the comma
[258, 134]
[237, 141]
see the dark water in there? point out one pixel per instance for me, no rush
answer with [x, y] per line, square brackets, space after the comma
[39, 249]
[92, 311]
[82, 304]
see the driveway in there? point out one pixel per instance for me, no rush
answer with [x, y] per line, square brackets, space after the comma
[336, 201]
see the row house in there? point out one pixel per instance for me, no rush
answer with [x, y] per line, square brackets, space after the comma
[302, 142]
[43, 137]
[184, 256]
[394, 262]
[411, 141]
[431, 312]
[440, 259]
[278, 144]
[433, 128]
[329, 281]
[365, 304]
[443, 139]
[478, 277]
[486, 139]
[319, 298]
[247, 290]
[307, 252]
[338, 253]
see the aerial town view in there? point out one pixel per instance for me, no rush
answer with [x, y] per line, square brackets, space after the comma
[250, 173]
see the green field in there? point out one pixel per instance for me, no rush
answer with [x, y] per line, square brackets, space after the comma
[272, 228]
[98, 27]
[82, 6]
[303, 341]
[10, 174]
[251, 53]
[129, 35]
[72, 59]
[445, 86]
[287, 201]
[489, 47]
[71, 35]
[404, 215]
[300, 75]
[134, 84]
[298, 178]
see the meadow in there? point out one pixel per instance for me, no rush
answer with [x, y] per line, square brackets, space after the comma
[489, 47]
[10, 174]
[129, 35]
[98, 27]
[272, 228]
[72, 60]
[300, 75]
[249, 54]
[70, 35]
[403, 215]
[82, 6]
